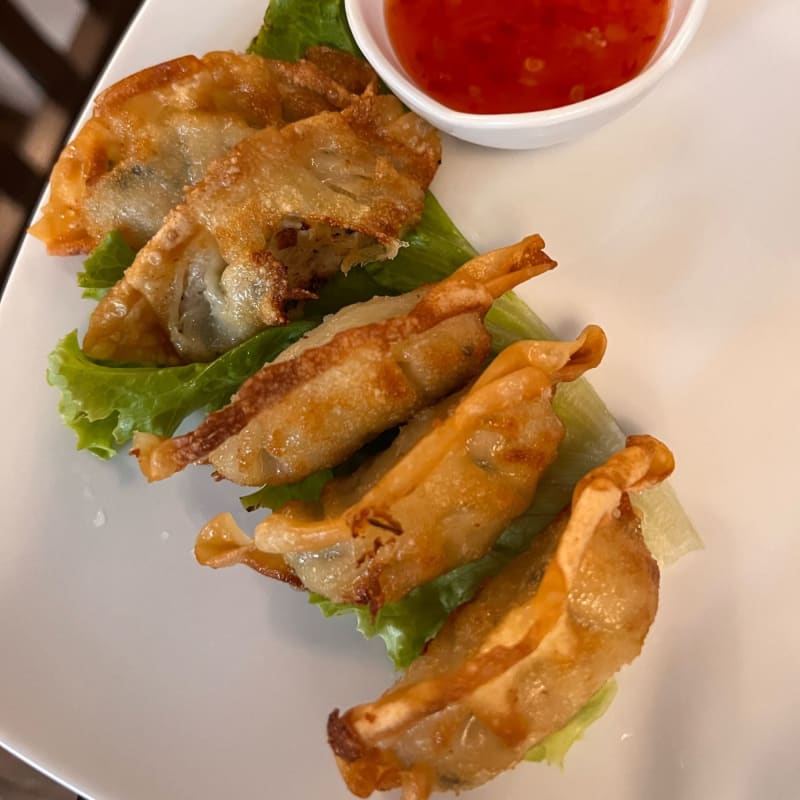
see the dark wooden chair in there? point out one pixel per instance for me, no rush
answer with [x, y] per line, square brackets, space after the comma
[65, 78]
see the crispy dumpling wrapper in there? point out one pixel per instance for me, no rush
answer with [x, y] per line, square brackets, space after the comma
[364, 370]
[440, 496]
[524, 656]
[156, 131]
[271, 221]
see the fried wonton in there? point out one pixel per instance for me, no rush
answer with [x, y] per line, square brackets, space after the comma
[271, 220]
[156, 131]
[362, 371]
[522, 658]
[440, 496]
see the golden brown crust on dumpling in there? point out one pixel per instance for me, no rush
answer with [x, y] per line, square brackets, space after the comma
[518, 661]
[156, 131]
[355, 74]
[124, 308]
[223, 544]
[440, 496]
[329, 394]
[146, 80]
[405, 139]
[272, 219]
[328, 81]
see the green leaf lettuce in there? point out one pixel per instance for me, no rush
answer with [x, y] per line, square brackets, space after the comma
[105, 265]
[292, 26]
[308, 490]
[553, 748]
[105, 403]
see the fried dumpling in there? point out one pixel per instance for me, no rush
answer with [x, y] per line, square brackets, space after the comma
[440, 496]
[362, 371]
[271, 220]
[156, 131]
[524, 656]
[326, 79]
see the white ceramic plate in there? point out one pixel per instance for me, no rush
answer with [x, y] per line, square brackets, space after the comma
[128, 672]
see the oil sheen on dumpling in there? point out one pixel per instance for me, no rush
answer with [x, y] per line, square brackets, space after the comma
[522, 658]
[440, 496]
[272, 220]
[156, 131]
[364, 370]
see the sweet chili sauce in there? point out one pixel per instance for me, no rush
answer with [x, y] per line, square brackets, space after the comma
[501, 56]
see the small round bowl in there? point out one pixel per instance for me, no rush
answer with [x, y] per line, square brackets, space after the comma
[527, 130]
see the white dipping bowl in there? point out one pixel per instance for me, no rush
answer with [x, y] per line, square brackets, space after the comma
[524, 131]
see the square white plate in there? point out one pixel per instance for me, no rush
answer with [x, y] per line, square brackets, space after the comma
[128, 672]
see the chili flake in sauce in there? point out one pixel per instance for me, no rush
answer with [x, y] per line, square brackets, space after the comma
[488, 57]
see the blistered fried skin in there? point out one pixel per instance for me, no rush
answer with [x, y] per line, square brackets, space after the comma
[354, 74]
[156, 131]
[327, 79]
[442, 493]
[525, 655]
[272, 219]
[224, 545]
[364, 370]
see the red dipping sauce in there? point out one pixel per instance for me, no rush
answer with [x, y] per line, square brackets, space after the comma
[503, 56]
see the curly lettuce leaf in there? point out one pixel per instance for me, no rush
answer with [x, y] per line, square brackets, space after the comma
[309, 490]
[292, 26]
[105, 403]
[553, 748]
[105, 265]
